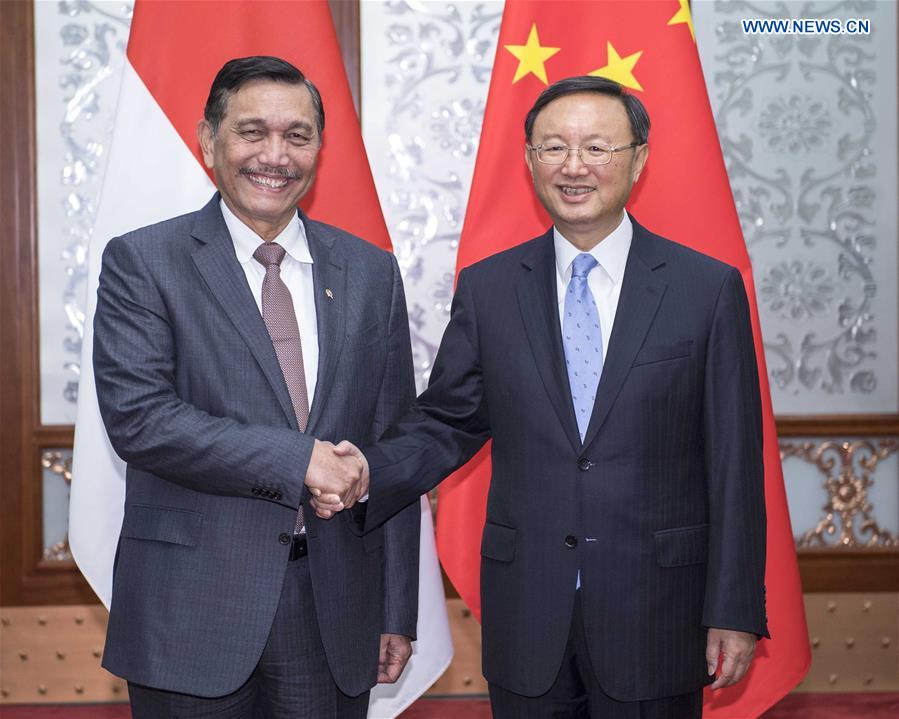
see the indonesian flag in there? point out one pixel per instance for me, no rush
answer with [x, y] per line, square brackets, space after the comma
[684, 194]
[155, 171]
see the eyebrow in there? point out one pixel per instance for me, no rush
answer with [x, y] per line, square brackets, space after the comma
[299, 124]
[588, 138]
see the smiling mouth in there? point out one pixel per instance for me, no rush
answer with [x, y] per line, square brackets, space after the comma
[271, 179]
[269, 182]
[575, 191]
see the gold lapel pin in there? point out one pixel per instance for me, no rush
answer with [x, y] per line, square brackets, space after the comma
[329, 294]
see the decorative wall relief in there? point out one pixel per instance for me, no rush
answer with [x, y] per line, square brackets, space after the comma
[807, 125]
[848, 468]
[425, 72]
[57, 478]
[79, 51]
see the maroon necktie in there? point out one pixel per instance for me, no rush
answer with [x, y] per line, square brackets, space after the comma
[281, 323]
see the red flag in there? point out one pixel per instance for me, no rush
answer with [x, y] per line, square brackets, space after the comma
[684, 194]
[200, 36]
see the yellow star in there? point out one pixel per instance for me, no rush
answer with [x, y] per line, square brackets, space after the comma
[683, 16]
[531, 57]
[620, 69]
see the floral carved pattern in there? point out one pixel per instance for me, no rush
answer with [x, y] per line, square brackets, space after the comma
[92, 42]
[796, 117]
[60, 464]
[797, 289]
[435, 70]
[795, 124]
[848, 468]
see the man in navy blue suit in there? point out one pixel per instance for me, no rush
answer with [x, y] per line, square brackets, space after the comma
[230, 344]
[623, 554]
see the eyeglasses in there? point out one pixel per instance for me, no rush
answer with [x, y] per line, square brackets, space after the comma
[590, 155]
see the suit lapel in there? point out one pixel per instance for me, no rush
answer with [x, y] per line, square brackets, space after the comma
[217, 263]
[329, 281]
[641, 292]
[538, 302]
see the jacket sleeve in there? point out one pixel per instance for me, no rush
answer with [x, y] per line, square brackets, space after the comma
[150, 426]
[735, 594]
[446, 425]
[402, 532]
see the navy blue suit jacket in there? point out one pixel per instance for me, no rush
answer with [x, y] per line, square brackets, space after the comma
[194, 400]
[660, 508]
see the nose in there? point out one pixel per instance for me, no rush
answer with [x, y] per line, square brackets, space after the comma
[274, 150]
[573, 164]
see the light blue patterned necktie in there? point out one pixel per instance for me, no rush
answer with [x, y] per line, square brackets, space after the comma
[582, 341]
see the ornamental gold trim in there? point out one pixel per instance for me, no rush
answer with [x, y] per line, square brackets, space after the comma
[59, 463]
[848, 467]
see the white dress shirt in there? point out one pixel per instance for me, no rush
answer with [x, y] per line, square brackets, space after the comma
[296, 271]
[604, 281]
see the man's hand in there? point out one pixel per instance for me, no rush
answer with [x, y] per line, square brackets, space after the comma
[327, 501]
[336, 480]
[395, 652]
[736, 649]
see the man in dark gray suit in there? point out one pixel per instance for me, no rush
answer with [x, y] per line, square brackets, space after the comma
[230, 343]
[623, 554]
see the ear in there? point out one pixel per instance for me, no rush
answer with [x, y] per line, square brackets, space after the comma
[640, 157]
[207, 141]
[529, 159]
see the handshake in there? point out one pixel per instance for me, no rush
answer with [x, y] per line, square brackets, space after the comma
[337, 477]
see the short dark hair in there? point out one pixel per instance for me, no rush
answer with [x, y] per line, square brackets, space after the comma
[236, 73]
[636, 112]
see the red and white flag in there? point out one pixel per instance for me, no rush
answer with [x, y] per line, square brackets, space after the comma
[684, 193]
[155, 171]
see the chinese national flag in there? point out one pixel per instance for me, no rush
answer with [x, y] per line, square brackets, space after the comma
[683, 194]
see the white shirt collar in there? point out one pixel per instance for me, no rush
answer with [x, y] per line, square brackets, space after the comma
[611, 253]
[292, 238]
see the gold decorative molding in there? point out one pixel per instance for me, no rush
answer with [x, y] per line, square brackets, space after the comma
[848, 468]
[59, 552]
[58, 462]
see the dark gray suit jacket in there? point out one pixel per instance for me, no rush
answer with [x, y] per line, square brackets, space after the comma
[661, 508]
[194, 401]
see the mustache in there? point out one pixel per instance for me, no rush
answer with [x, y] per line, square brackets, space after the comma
[266, 170]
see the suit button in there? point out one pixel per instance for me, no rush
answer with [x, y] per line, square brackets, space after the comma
[584, 464]
[284, 538]
[570, 542]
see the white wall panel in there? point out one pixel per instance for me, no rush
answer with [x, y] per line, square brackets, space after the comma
[808, 129]
[425, 71]
[79, 53]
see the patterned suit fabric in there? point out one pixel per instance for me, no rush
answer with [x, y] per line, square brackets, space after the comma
[659, 510]
[194, 400]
